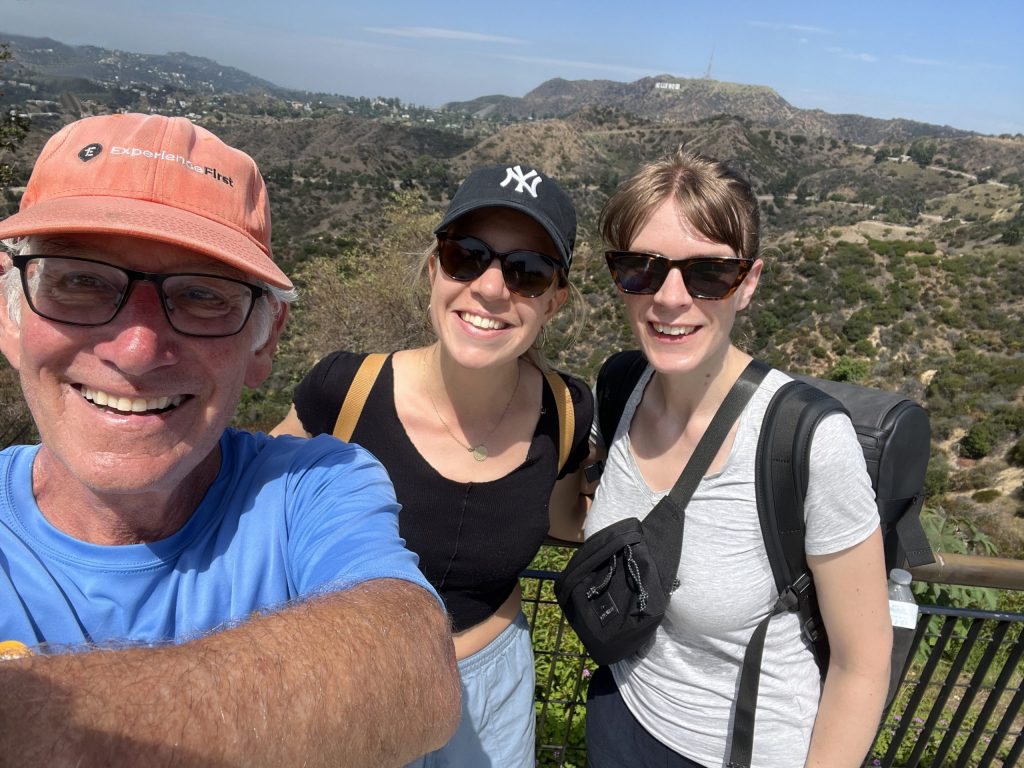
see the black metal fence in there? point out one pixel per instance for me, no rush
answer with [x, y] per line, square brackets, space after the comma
[960, 703]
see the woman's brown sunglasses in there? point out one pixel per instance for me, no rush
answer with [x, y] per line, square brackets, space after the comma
[705, 277]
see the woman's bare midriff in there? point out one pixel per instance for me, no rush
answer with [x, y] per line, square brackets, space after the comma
[479, 636]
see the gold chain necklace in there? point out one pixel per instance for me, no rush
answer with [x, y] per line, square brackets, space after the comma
[478, 451]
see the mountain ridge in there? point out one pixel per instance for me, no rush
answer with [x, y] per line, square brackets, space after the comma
[663, 98]
[49, 57]
[678, 99]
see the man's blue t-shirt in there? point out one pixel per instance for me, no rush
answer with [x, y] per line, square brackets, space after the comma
[285, 517]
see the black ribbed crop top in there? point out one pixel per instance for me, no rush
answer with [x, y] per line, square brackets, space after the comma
[473, 539]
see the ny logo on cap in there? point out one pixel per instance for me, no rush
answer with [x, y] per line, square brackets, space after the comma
[522, 180]
[90, 151]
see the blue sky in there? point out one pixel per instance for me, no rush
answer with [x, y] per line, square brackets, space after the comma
[940, 62]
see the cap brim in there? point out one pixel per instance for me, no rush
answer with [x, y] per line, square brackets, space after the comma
[549, 227]
[98, 214]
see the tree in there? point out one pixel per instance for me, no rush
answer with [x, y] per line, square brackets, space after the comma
[785, 184]
[922, 152]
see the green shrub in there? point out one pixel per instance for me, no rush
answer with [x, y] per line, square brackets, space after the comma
[864, 348]
[978, 441]
[858, 326]
[985, 496]
[848, 254]
[936, 477]
[1016, 453]
[973, 479]
[899, 248]
[849, 369]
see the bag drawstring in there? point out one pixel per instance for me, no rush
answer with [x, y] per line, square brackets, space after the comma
[597, 590]
[634, 571]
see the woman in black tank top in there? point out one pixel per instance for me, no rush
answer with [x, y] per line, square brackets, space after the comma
[468, 429]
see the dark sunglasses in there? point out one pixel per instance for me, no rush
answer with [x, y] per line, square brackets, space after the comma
[705, 277]
[89, 293]
[527, 273]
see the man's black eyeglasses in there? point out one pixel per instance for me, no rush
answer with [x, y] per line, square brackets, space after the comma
[527, 273]
[89, 293]
[705, 277]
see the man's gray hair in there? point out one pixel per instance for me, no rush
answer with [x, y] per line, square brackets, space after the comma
[10, 283]
[266, 310]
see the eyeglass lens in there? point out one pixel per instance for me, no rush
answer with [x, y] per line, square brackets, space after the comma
[84, 292]
[527, 273]
[710, 278]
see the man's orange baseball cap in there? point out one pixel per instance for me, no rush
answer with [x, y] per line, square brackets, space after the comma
[155, 177]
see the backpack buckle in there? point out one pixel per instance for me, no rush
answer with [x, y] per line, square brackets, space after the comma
[810, 630]
[796, 592]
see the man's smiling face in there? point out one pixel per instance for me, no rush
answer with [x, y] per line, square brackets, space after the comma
[131, 406]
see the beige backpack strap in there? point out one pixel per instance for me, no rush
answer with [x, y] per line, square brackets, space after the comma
[566, 415]
[356, 396]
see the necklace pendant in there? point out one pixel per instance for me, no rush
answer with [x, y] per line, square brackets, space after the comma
[479, 452]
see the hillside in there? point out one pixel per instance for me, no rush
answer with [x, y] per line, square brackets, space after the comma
[894, 254]
[49, 58]
[676, 99]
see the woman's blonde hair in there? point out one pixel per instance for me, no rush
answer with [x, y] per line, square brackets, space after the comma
[714, 198]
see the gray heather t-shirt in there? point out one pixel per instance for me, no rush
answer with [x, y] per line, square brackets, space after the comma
[681, 687]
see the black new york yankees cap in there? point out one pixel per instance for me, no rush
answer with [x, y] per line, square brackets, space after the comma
[525, 189]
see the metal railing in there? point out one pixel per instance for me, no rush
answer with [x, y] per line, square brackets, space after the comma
[960, 703]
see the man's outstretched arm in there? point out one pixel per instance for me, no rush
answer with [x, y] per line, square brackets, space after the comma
[360, 677]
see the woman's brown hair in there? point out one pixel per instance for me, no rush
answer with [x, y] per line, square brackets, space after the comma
[714, 198]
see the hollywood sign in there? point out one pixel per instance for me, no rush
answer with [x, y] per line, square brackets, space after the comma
[667, 86]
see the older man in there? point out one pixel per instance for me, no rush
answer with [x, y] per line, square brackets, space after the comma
[182, 592]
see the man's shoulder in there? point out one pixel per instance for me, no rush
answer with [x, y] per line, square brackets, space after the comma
[8, 453]
[289, 455]
[13, 457]
[303, 481]
[15, 480]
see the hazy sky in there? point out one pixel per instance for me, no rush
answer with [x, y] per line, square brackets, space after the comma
[940, 61]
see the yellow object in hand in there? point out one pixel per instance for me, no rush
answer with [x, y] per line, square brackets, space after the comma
[12, 649]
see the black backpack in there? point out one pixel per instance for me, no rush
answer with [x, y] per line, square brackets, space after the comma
[894, 434]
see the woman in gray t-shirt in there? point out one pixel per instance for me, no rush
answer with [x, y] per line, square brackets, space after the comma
[686, 240]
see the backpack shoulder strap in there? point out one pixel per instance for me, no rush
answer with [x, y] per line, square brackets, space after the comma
[355, 398]
[615, 383]
[781, 471]
[566, 415]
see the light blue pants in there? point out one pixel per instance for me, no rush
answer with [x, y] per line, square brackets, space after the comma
[496, 728]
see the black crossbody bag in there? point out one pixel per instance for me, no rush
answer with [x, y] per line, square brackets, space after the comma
[615, 589]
